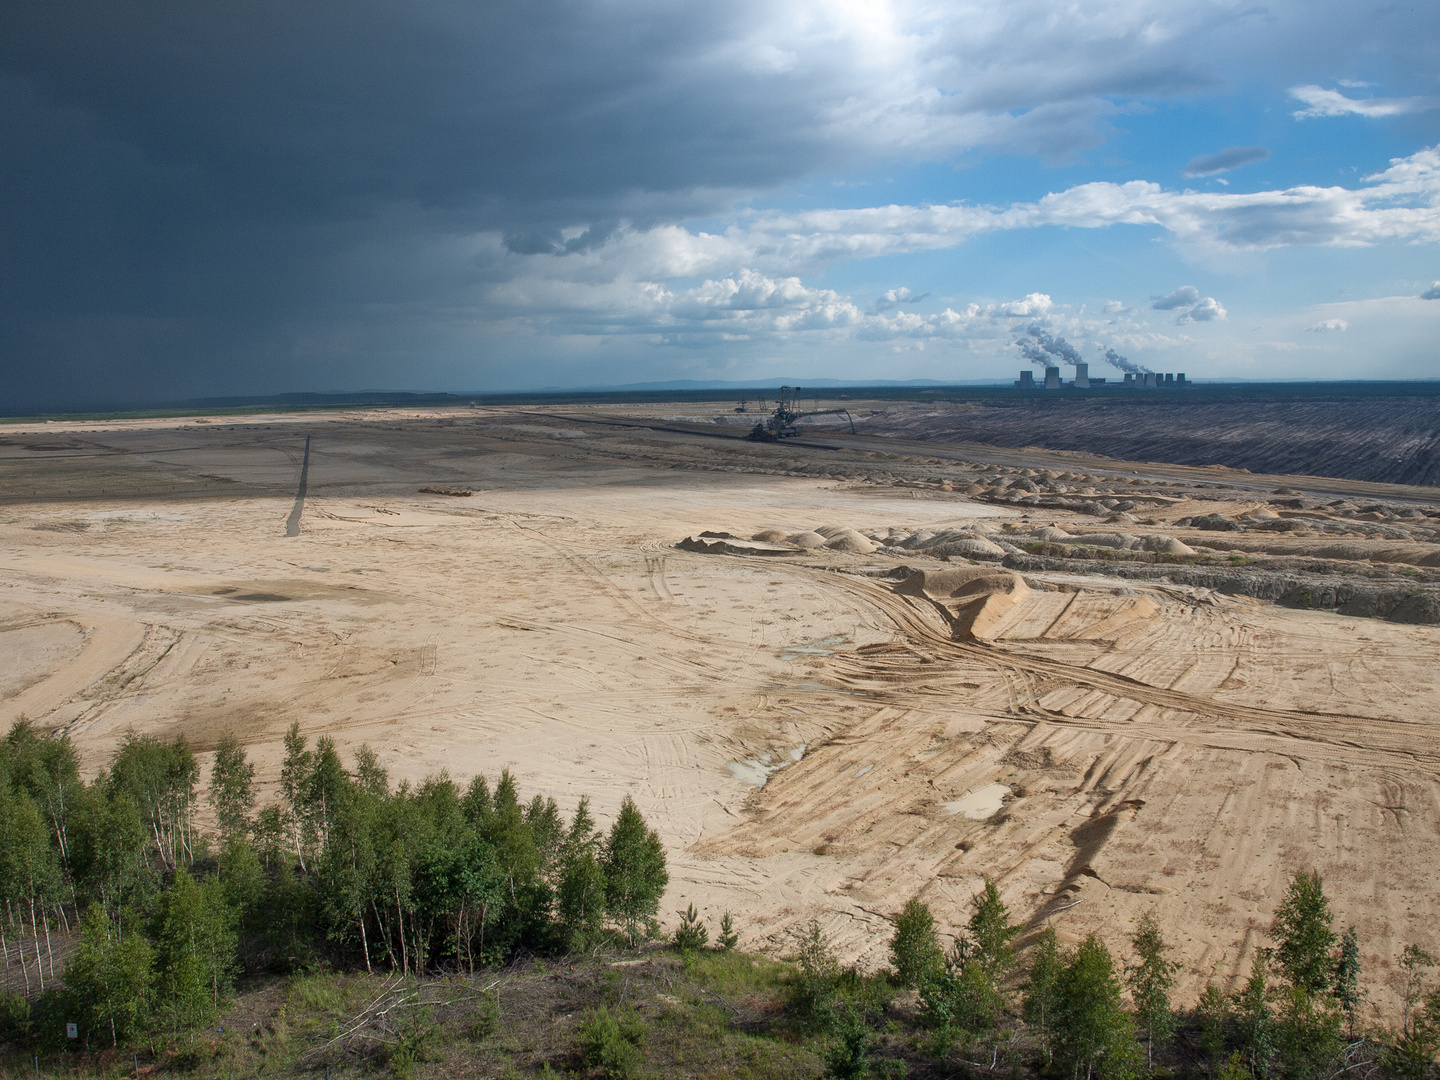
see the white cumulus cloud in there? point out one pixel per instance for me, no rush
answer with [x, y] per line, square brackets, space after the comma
[1322, 102]
[1328, 326]
[1192, 307]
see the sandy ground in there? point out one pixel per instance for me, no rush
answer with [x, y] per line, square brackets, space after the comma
[810, 742]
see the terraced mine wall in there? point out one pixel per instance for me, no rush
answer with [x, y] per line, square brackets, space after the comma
[1390, 435]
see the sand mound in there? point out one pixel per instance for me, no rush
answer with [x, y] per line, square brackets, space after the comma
[977, 598]
[970, 547]
[806, 540]
[1167, 545]
[851, 541]
[729, 545]
[1052, 535]
[919, 539]
[770, 536]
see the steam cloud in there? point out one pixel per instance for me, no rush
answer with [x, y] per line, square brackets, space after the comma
[1035, 355]
[1047, 347]
[1123, 363]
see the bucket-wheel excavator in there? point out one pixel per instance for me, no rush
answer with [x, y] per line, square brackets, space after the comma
[781, 423]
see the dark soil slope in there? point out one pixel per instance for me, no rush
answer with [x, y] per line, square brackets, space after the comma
[1358, 435]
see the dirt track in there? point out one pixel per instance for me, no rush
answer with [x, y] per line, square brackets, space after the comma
[808, 738]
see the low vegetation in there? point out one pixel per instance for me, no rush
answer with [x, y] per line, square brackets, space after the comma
[358, 928]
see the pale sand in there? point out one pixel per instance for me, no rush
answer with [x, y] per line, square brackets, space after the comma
[1163, 750]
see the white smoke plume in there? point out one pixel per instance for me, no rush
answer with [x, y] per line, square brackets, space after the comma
[1124, 364]
[1034, 354]
[1054, 346]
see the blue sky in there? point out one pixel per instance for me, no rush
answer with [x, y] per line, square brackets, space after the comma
[444, 195]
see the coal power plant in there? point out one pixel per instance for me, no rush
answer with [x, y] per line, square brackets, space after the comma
[1133, 380]
[1048, 352]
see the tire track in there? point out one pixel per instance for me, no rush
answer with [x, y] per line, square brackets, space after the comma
[1359, 737]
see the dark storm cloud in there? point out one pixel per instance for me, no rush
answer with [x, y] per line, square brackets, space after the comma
[1232, 157]
[260, 196]
[181, 178]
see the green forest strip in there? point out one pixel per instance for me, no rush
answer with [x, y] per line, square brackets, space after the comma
[435, 929]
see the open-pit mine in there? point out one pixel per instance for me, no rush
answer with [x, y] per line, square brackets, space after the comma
[835, 672]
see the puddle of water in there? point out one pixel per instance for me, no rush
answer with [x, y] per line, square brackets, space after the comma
[823, 647]
[750, 771]
[980, 804]
[863, 771]
[757, 770]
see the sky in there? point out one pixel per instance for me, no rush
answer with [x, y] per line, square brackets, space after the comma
[260, 197]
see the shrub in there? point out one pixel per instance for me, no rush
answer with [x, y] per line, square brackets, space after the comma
[418, 1038]
[815, 986]
[849, 1056]
[611, 1042]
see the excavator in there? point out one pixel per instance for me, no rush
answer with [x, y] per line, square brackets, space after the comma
[781, 423]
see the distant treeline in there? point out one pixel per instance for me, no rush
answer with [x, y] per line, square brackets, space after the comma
[343, 869]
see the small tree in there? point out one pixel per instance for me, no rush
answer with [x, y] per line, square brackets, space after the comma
[728, 938]
[294, 782]
[1213, 1012]
[1304, 934]
[110, 979]
[1040, 1005]
[232, 788]
[966, 994]
[961, 997]
[915, 951]
[817, 982]
[989, 932]
[1308, 1035]
[1348, 994]
[1092, 1031]
[580, 898]
[635, 874]
[1254, 1022]
[1413, 961]
[195, 940]
[691, 933]
[1150, 979]
[849, 1056]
